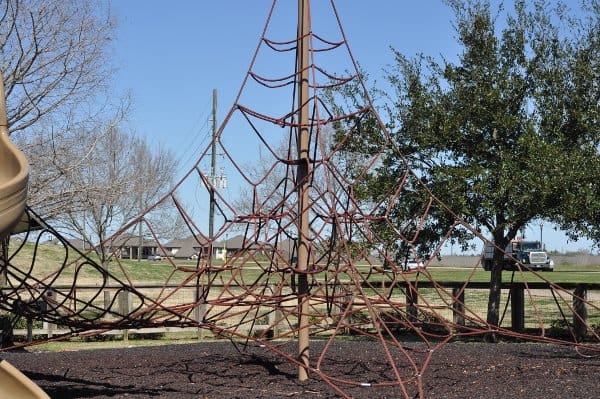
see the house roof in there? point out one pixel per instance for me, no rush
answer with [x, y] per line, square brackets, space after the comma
[237, 242]
[185, 247]
[190, 241]
[131, 240]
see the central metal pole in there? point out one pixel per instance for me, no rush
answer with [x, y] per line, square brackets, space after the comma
[302, 184]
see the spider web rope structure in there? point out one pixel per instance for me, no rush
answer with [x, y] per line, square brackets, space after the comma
[358, 287]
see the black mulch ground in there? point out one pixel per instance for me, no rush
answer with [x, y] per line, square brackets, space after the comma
[219, 370]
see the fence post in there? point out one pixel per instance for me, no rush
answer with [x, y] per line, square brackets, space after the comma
[200, 310]
[412, 300]
[29, 329]
[517, 308]
[49, 328]
[74, 298]
[273, 322]
[580, 312]
[349, 321]
[106, 299]
[275, 314]
[125, 309]
[458, 306]
[49, 297]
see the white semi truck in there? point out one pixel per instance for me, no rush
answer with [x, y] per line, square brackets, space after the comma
[529, 253]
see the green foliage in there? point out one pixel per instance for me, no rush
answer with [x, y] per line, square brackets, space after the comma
[499, 136]
[507, 134]
[560, 329]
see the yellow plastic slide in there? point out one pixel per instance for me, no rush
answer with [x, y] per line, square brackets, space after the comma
[14, 174]
[15, 385]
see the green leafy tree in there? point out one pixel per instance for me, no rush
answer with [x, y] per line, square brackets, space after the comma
[505, 135]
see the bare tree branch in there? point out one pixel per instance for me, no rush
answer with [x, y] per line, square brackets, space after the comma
[54, 56]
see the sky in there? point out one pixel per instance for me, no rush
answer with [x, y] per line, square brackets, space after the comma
[169, 58]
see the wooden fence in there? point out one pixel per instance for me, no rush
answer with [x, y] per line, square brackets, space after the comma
[526, 305]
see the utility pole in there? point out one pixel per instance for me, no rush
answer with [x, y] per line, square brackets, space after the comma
[201, 281]
[213, 166]
[303, 145]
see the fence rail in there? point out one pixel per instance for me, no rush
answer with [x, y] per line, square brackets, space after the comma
[532, 305]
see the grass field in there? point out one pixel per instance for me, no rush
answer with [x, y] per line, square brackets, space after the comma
[50, 260]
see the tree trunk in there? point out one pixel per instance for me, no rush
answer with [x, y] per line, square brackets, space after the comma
[6, 332]
[4, 260]
[580, 312]
[493, 313]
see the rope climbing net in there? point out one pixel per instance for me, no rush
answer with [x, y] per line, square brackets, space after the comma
[367, 274]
